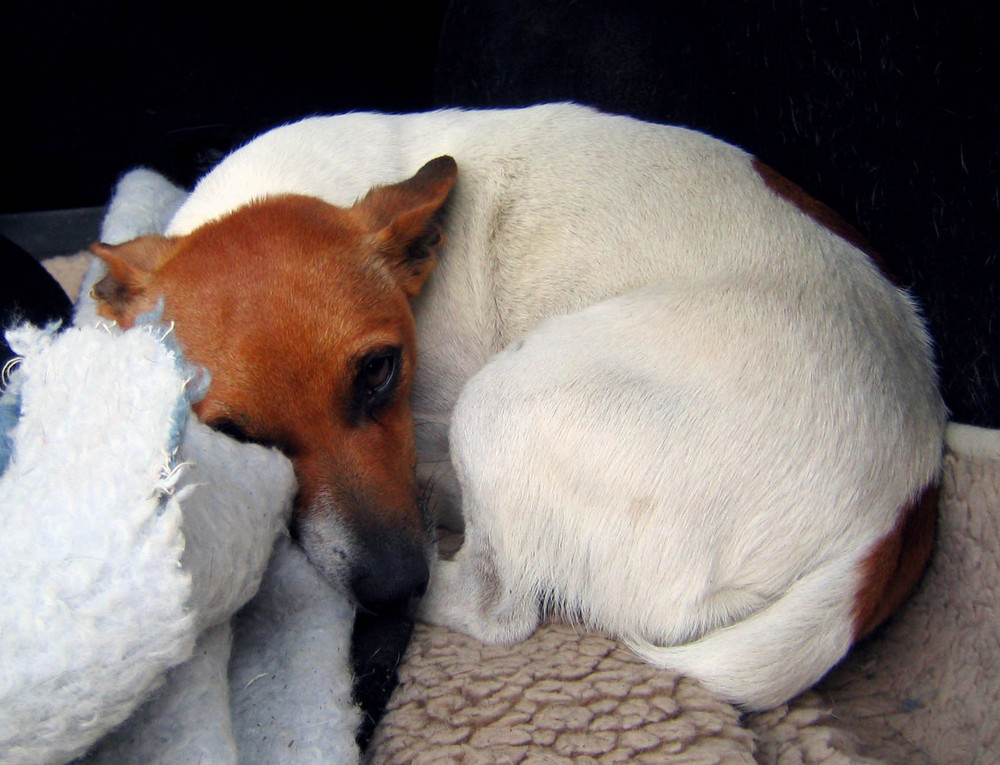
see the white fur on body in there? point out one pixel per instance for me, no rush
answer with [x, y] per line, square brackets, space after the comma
[678, 408]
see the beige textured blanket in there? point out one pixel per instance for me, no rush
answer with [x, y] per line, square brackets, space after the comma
[924, 689]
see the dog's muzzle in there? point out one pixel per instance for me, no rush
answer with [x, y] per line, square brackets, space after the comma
[383, 566]
[389, 570]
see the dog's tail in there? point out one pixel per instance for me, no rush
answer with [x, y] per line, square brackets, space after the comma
[772, 655]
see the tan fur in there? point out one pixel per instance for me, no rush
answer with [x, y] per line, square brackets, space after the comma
[895, 564]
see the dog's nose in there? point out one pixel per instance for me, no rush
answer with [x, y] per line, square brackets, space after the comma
[390, 572]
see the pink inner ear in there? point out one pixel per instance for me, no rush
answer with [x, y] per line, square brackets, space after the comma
[413, 226]
[130, 268]
[434, 238]
[110, 290]
[402, 217]
[406, 208]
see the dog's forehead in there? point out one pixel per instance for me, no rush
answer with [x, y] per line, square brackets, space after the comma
[283, 347]
[289, 284]
[283, 243]
[292, 226]
[280, 295]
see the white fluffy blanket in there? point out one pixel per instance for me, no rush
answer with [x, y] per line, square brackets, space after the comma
[132, 536]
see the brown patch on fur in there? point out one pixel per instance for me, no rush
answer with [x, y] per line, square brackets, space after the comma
[640, 508]
[820, 213]
[894, 565]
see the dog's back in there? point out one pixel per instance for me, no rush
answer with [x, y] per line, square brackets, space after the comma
[558, 207]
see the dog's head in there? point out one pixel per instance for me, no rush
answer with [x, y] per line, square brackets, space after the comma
[301, 312]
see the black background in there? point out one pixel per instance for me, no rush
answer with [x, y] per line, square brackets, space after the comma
[886, 111]
[96, 88]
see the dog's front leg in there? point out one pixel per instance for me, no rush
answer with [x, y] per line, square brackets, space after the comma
[470, 594]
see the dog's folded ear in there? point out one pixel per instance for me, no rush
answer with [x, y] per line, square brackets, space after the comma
[402, 220]
[130, 269]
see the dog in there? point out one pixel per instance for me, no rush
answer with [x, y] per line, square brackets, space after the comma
[665, 393]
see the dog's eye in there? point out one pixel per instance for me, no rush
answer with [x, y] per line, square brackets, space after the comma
[231, 429]
[378, 371]
[377, 376]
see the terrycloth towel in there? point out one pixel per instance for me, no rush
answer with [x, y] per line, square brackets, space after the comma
[132, 535]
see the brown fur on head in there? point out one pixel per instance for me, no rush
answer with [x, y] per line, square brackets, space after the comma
[300, 311]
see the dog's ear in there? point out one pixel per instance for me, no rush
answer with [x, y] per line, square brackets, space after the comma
[130, 269]
[402, 219]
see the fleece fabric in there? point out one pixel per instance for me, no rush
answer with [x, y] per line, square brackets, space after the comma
[95, 600]
[155, 610]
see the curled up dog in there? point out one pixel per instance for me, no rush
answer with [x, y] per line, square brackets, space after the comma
[664, 392]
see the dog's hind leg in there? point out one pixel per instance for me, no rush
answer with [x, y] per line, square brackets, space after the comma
[700, 466]
[572, 449]
[547, 442]
[763, 660]
[489, 590]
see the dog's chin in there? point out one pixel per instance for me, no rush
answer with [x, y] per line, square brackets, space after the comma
[380, 568]
[329, 548]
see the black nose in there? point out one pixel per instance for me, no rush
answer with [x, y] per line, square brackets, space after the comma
[389, 571]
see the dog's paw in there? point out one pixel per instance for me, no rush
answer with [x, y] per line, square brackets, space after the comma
[446, 602]
[459, 600]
